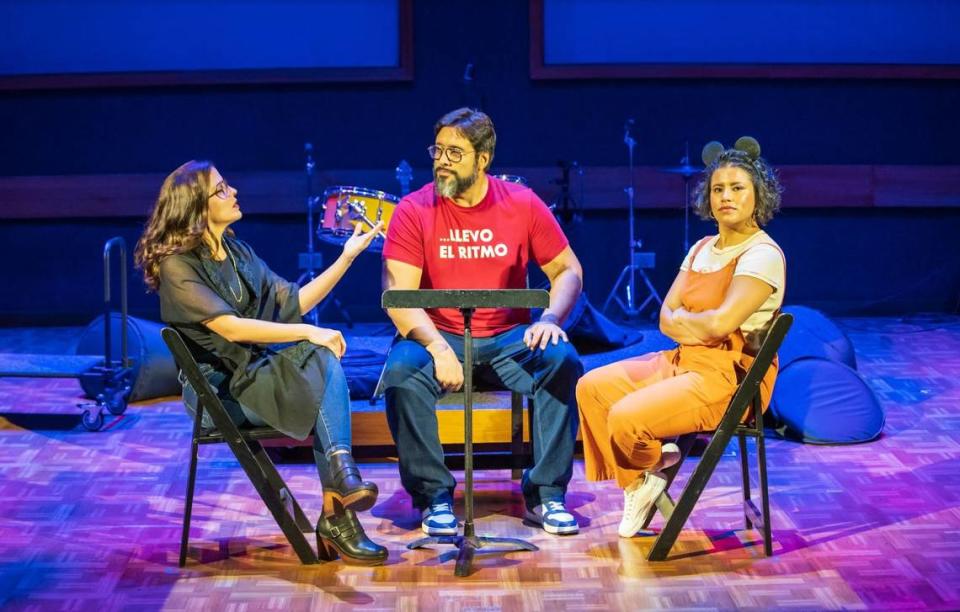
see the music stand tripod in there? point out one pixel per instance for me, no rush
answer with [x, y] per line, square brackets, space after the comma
[467, 301]
[638, 261]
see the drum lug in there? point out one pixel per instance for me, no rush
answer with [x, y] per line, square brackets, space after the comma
[357, 207]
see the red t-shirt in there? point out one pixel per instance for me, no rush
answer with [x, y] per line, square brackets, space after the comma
[487, 246]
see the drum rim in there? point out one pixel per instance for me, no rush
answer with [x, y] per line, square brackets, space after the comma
[361, 191]
[521, 180]
[336, 238]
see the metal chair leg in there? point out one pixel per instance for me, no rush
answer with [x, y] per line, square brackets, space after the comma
[277, 482]
[764, 494]
[528, 447]
[276, 500]
[516, 434]
[745, 476]
[188, 503]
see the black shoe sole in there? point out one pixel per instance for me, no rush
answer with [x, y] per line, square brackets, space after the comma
[329, 551]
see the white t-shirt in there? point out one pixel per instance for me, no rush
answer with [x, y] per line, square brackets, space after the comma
[762, 259]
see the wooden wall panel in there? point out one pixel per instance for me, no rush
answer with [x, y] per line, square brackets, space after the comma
[132, 195]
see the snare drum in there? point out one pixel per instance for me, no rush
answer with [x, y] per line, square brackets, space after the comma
[512, 178]
[345, 206]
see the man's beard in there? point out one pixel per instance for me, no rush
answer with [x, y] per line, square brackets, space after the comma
[452, 185]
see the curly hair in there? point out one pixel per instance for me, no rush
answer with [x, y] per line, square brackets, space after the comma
[766, 185]
[476, 126]
[177, 221]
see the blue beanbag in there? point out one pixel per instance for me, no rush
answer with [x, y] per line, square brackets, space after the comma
[820, 401]
[814, 335]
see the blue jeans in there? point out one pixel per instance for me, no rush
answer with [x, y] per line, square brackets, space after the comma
[549, 376]
[325, 375]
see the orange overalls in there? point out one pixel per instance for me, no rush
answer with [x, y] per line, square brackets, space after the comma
[628, 407]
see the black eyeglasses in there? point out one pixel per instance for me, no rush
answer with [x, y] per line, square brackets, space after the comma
[454, 154]
[222, 191]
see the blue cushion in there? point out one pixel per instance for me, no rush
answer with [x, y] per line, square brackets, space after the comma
[814, 335]
[821, 401]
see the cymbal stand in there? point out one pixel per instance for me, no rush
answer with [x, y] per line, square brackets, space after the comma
[636, 260]
[685, 162]
[565, 207]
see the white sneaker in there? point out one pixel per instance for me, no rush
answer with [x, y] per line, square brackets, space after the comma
[669, 455]
[642, 493]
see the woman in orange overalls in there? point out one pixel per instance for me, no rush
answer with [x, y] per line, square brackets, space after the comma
[729, 288]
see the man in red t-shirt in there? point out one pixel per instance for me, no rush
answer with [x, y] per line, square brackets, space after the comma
[468, 230]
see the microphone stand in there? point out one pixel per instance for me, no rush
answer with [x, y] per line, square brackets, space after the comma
[685, 162]
[312, 261]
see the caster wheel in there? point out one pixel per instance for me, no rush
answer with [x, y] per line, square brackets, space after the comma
[118, 402]
[93, 421]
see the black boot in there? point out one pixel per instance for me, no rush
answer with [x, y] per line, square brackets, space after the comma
[346, 487]
[343, 534]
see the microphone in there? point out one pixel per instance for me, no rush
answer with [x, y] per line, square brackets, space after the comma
[468, 72]
[308, 151]
[627, 125]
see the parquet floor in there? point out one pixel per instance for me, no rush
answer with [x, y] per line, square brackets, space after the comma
[91, 520]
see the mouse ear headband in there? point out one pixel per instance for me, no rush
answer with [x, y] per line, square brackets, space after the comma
[747, 144]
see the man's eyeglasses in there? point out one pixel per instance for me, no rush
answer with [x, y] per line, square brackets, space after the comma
[222, 191]
[454, 154]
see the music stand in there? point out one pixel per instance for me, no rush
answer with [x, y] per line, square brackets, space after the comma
[467, 301]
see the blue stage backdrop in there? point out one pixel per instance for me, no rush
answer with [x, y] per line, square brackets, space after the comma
[62, 36]
[750, 32]
[853, 260]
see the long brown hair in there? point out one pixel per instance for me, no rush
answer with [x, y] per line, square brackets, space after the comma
[177, 221]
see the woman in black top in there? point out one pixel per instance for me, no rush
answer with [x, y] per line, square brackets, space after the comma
[232, 311]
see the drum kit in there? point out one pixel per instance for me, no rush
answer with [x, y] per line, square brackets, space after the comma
[345, 206]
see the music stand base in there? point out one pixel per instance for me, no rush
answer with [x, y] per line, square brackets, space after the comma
[470, 545]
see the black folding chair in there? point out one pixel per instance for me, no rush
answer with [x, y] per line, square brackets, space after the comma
[246, 448]
[746, 396]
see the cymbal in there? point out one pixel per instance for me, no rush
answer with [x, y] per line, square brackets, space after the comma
[685, 170]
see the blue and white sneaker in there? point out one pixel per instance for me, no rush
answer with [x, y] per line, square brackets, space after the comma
[439, 519]
[554, 518]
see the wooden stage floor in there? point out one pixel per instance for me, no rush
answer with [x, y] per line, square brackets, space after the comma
[92, 520]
